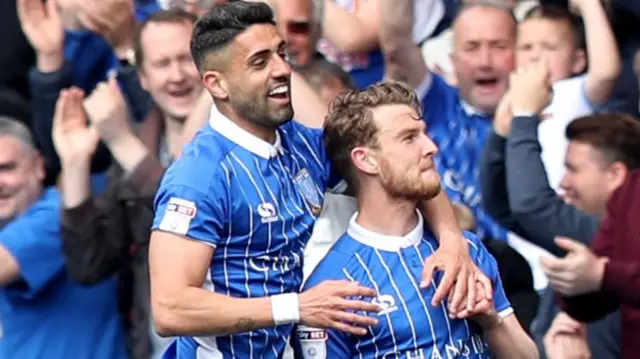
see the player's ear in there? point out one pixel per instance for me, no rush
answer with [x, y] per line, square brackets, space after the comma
[364, 161]
[217, 84]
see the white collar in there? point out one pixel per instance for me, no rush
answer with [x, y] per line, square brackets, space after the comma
[469, 110]
[242, 137]
[385, 242]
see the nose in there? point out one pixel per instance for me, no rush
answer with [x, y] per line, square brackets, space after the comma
[281, 67]
[484, 57]
[176, 73]
[430, 148]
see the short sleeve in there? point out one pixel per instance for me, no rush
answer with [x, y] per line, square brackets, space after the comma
[313, 139]
[185, 211]
[34, 241]
[487, 263]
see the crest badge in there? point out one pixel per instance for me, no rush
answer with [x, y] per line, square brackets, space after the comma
[308, 189]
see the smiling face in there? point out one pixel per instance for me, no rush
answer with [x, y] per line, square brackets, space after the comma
[21, 172]
[483, 55]
[167, 70]
[256, 78]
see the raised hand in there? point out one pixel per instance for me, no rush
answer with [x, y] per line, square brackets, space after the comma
[327, 306]
[108, 112]
[75, 143]
[42, 25]
[530, 89]
[112, 19]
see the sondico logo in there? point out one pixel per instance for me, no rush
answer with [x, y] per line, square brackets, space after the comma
[386, 302]
[267, 212]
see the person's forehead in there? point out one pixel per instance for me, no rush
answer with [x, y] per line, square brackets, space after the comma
[12, 149]
[395, 118]
[165, 33]
[257, 38]
[542, 27]
[481, 22]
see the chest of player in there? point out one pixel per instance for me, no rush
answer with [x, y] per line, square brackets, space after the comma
[409, 326]
[273, 203]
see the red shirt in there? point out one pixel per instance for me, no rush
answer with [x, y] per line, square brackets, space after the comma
[619, 239]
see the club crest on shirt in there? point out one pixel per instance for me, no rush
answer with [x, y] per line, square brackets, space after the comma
[307, 188]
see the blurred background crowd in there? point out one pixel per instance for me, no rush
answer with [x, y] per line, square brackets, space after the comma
[533, 105]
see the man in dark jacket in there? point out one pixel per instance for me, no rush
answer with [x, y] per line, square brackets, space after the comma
[109, 234]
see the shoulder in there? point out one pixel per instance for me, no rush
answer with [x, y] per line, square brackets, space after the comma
[201, 164]
[43, 215]
[338, 264]
[295, 132]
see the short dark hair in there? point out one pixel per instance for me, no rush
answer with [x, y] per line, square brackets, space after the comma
[171, 16]
[222, 24]
[319, 69]
[349, 123]
[561, 14]
[615, 135]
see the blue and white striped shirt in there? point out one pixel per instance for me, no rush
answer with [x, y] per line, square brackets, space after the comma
[409, 326]
[256, 203]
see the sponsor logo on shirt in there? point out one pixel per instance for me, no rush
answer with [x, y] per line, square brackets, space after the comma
[386, 302]
[313, 342]
[178, 215]
[267, 212]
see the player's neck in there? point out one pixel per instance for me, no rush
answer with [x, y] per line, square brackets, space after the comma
[385, 215]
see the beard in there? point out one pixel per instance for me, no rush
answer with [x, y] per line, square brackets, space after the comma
[408, 184]
[257, 109]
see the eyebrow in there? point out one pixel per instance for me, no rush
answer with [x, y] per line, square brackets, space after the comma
[264, 52]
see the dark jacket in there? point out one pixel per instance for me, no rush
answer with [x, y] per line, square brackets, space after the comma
[512, 171]
[109, 234]
[617, 239]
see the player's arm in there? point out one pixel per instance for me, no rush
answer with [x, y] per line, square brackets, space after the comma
[502, 331]
[181, 306]
[507, 339]
[603, 55]
[452, 256]
[403, 60]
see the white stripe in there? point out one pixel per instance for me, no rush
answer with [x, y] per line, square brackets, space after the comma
[246, 270]
[397, 290]
[262, 200]
[442, 304]
[284, 234]
[313, 153]
[377, 288]
[424, 304]
[226, 248]
[373, 335]
[280, 277]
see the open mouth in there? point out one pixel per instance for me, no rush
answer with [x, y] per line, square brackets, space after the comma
[279, 93]
[487, 82]
[181, 93]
